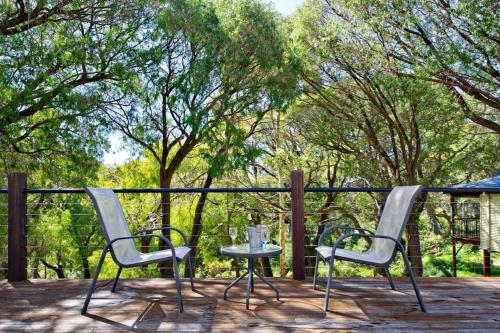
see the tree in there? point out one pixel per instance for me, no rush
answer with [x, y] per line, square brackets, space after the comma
[66, 218]
[206, 64]
[397, 130]
[21, 16]
[285, 150]
[454, 43]
[56, 59]
[226, 152]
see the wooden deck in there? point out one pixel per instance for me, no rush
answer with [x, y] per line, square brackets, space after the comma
[454, 305]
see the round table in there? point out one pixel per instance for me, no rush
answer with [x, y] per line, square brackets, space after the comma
[244, 251]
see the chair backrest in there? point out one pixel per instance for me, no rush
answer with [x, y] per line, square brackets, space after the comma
[396, 213]
[113, 223]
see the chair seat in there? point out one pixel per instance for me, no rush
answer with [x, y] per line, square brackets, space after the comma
[157, 256]
[362, 257]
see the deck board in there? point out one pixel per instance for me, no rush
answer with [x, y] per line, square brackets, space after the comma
[149, 305]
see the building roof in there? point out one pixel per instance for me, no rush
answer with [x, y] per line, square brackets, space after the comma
[487, 182]
[492, 182]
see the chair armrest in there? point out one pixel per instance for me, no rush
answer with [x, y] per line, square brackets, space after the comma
[343, 237]
[329, 230]
[149, 231]
[163, 238]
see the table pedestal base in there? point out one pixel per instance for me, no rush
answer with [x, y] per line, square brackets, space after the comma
[250, 286]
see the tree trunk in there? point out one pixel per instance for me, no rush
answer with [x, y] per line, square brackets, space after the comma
[309, 252]
[58, 269]
[166, 269]
[265, 265]
[35, 273]
[86, 268]
[282, 203]
[198, 224]
[145, 245]
[380, 270]
[236, 266]
[282, 232]
[414, 251]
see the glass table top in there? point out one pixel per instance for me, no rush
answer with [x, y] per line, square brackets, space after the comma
[244, 250]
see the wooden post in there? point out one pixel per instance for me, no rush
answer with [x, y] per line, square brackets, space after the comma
[486, 263]
[298, 251]
[17, 261]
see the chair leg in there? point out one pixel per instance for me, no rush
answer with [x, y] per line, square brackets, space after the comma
[115, 283]
[178, 285]
[316, 271]
[94, 281]
[328, 284]
[389, 277]
[413, 281]
[190, 272]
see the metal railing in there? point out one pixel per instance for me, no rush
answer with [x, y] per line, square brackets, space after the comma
[44, 224]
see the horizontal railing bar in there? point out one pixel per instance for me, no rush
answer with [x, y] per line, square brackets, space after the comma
[388, 189]
[167, 190]
[262, 190]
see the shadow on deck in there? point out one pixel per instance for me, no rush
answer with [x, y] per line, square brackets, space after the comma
[454, 305]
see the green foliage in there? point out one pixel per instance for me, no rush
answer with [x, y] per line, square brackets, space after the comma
[450, 43]
[210, 72]
[56, 62]
[354, 105]
[347, 91]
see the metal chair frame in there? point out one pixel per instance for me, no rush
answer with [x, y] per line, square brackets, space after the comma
[369, 234]
[141, 234]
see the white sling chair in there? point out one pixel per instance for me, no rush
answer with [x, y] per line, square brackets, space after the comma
[121, 245]
[386, 240]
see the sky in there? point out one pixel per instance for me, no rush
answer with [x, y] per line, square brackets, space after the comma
[286, 7]
[117, 154]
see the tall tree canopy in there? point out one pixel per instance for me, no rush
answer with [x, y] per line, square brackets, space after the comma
[211, 70]
[454, 43]
[56, 59]
[397, 130]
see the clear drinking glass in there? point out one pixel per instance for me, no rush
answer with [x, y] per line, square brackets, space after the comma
[264, 235]
[233, 232]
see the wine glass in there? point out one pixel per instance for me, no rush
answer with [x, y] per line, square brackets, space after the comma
[264, 235]
[233, 232]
